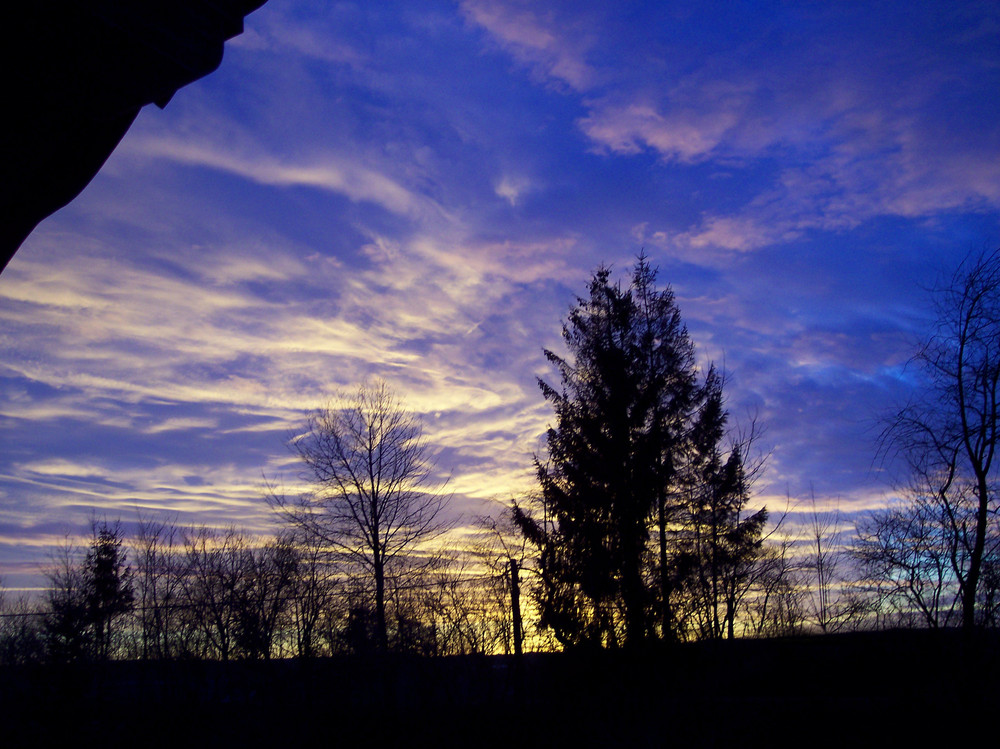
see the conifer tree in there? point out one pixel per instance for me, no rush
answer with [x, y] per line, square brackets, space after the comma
[641, 525]
[720, 538]
[108, 584]
[621, 408]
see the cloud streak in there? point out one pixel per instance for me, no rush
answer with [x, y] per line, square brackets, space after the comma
[331, 173]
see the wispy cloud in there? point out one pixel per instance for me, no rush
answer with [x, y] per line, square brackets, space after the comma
[537, 38]
[240, 334]
[325, 172]
[699, 119]
[386, 192]
[314, 38]
[862, 129]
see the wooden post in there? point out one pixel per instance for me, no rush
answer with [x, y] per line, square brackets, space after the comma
[515, 607]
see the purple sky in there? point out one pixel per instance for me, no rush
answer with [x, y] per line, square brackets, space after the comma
[416, 191]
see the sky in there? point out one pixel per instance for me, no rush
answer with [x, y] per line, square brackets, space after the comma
[418, 191]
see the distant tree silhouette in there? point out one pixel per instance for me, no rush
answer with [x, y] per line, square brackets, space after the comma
[721, 541]
[158, 584]
[212, 578]
[501, 551]
[314, 602]
[465, 603]
[777, 606]
[835, 601]
[268, 575]
[374, 502]
[236, 592]
[108, 585]
[904, 562]
[86, 601]
[66, 629]
[192, 594]
[21, 635]
[950, 433]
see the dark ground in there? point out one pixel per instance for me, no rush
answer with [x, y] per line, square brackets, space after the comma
[886, 689]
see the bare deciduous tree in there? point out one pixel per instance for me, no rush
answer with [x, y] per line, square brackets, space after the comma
[65, 626]
[237, 592]
[313, 604]
[20, 630]
[268, 575]
[158, 587]
[830, 604]
[949, 436]
[502, 551]
[211, 578]
[776, 608]
[374, 502]
[912, 555]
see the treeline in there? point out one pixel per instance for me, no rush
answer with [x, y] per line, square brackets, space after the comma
[169, 593]
[199, 593]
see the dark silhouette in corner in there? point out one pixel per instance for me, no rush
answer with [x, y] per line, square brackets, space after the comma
[77, 75]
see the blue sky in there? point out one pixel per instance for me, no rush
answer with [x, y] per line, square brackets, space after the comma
[417, 191]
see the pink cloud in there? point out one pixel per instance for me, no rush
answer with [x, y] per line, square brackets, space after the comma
[535, 40]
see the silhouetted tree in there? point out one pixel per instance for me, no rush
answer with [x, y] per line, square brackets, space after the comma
[988, 604]
[65, 624]
[86, 601]
[621, 409]
[501, 552]
[721, 538]
[375, 502]
[776, 607]
[314, 603]
[21, 636]
[667, 360]
[910, 557]
[158, 584]
[237, 592]
[834, 601]
[463, 607]
[212, 577]
[262, 597]
[949, 436]
[109, 591]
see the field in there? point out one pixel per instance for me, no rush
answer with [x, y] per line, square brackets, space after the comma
[859, 689]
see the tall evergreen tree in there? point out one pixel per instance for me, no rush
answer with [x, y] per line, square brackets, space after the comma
[625, 397]
[108, 581]
[87, 601]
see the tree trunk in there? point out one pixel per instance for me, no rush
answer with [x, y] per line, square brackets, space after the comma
[381, 633]
[661, 522]
[976, 560]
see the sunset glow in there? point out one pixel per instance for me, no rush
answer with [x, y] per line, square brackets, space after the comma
[417, 192]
